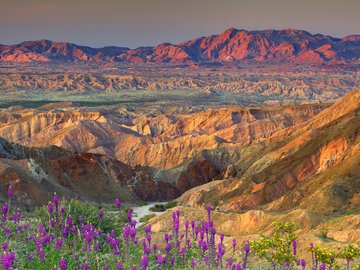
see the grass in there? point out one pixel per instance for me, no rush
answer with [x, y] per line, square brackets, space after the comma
[146, 218]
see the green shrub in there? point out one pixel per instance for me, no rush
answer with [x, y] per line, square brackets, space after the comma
[277, 249]
[163, 207]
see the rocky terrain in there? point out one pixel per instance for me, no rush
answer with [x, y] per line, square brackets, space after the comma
[295, 166]
[253, 164]
[308, 174]
[258, 88]
[35, 173]
[168, 154]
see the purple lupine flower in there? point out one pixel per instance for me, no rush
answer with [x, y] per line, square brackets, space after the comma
[5, 245]
[148, 229]
[144, 262]
[234, 244]
[129, 215]
[188, 243]
[133, 223]
[172, 261]
[204, 246]
[144, 243]
[159, 260]
[193, 228]
[208, 210]
[56, 201]
[7, 230]
[63, 264]
[7, 260]
[86, 266]
[119, 266]
[106, 268]
[168, 248]
[46, 239]
[52, 223]
[196, 232]
[166, 236]
[247, 247]
[59, 243]
[207, 260]
[294, 243]
[117, 203]
[303, 263]
[101, 214]
[155, 247]
[115, 243]
[229, 262]
[50, 208]
[222, 238]
[247, 251]
[10, 192]
[69, 221]
[193, 263]
[5, 211]
[65, 232]
[39, 248]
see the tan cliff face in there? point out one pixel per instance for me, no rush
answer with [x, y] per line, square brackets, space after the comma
[160, 142]
[314, 165]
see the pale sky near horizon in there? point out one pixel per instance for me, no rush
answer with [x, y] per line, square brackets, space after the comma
[134, 23]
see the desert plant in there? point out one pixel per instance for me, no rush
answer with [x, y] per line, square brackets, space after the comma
[280, 248]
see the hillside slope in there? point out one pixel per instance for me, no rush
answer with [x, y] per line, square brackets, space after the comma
[313, 166]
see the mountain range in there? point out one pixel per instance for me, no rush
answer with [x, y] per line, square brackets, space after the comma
[233, 45]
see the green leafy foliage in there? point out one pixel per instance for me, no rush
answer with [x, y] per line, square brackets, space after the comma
[277, 249]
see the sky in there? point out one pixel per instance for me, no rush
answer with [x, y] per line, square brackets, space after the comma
[134, 23]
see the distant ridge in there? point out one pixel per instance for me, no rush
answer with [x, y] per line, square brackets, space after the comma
[233, 45]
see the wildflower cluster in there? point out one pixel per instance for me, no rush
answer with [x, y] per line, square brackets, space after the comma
[62, 239]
